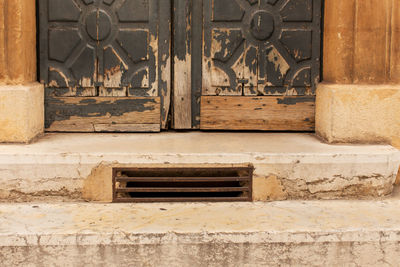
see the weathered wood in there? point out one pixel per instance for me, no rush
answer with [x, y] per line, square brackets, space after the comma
[103, 91]
[250, 71]
[258, 48]
[253, 49]
[81, 114]
[132, 128]
[296, 113]
[197, 44]
[114, 49]
[164, 60]
[182, 65]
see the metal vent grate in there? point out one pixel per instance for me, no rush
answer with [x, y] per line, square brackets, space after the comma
[182, 184]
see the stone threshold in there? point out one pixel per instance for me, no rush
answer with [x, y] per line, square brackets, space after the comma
[289, 233]
[76, 167]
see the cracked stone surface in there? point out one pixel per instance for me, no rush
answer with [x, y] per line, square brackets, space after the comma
[287, 166]
[307, 233]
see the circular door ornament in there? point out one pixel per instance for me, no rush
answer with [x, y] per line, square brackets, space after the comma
[98, 25]
[262, 25]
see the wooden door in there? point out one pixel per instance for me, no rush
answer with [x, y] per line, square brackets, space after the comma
[254, 64]
[105, 64]
[237, 64]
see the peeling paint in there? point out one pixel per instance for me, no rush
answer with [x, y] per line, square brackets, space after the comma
[63, 109]
[113, 77]
[295, 100]
[61, 74]
[278, 61]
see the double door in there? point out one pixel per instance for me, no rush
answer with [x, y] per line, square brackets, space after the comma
[147, 65]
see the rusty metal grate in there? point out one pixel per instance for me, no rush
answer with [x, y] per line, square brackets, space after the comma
[184, 184]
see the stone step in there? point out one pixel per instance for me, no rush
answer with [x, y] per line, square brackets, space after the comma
[282, 233]
[74, 167]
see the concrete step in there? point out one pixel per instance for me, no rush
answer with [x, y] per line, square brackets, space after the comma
[74, 167]
[287, 233]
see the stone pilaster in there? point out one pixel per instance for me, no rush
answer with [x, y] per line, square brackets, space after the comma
[359, 101]
[21, 97]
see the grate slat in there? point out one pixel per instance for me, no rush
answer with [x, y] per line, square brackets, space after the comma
[182, 199]
[180, 179]
[181, 189]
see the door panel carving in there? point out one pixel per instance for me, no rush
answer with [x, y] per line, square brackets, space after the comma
[261, 47]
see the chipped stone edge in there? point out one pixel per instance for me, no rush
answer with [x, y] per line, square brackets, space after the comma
[63, 176]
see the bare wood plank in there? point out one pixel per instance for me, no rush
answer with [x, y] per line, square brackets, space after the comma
[164, 60]
[182, 94]
[197, 55]
[182, 66]
[81, 114]
[206, 53]
[127, 128]
[268, 113]
[83, 127]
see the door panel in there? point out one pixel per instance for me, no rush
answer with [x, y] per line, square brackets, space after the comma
[107, 55]
[254, 64]
[266, 53]
[71, 60]
[224, 46]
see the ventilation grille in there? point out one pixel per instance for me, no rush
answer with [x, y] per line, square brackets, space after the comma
[182, 184]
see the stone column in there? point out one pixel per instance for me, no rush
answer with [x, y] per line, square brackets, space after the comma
[359, 100]
[21, 97]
